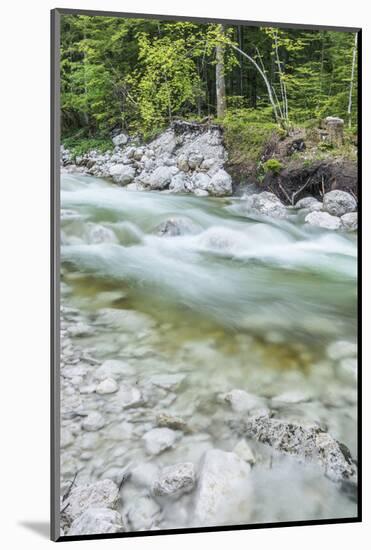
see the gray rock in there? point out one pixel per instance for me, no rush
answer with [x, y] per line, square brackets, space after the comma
[167, 381]
[179, 183]
[120, 140]
[341, 349]
[338, 203]
[95, 521]
[174, 227]
[183, 163]
[93, 422]
[309, 203]
[126, 320]
[220, 184]
[113, 368]
[67, 438]
[143, 513]
[323, 220]
[129, 396]
[242, 401]
[306, 442]
[224, 490]
[144, 474]
[165, 420]
[107, 386]
[201, 193]
[349, 367]
[102, 494]
[267, 204]
[350, 221]
[243, 450]
[290, 398]
[207, 164]
[175, 480]
[159, 439]
[194, 160]
[201, 181]
[97, 234]
[161, 177]
[122, 174]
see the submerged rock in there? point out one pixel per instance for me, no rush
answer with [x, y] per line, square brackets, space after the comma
[224, 490]
[323, 219]
[165, 420]
[93, 422]
[159, 439]
[243, 450]
[307, 442]
[143, 513]
[267, 204]
[341, 349]
[175, 480]
[144, 474]
[95, 521]
[102, 494]
[242, 401]
[338, 203]
[107, 386]
[175, 227]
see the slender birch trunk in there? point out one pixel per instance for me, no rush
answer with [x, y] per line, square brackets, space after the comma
[266, 81]
[352, 81]
[221, 102]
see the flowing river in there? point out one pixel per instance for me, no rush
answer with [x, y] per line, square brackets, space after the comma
[183, 311]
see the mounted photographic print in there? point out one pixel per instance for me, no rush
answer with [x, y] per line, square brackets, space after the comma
[204, 284]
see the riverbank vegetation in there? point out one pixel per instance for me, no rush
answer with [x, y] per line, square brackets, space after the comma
[139, 75]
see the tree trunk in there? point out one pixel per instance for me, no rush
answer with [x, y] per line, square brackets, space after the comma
[266, 81]
[352, 82]
[221, 103]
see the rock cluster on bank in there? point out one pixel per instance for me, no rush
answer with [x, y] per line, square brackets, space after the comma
[187, 161]
[337, 211]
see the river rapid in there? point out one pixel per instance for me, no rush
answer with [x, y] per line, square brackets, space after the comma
[179, 317]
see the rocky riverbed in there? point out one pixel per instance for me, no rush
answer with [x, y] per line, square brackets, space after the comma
[208, 360]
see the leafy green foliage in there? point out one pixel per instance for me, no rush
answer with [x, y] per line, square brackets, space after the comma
[272, 165]
[138, 75]
[79, 146]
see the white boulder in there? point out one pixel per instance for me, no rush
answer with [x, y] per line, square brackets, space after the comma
[93, 422]
[159, 439]
[310, 204]
[108, 385]
[220, 184]
[95, 521]
[143, 513]
[121, 173]
[120, 139]
[323, 220]
[266, 203]
[341, 349]
[161, 177]
[338, 203]
[350, 221]
[102, 494]
[224, 490]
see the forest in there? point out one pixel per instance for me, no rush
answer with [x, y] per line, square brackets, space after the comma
[139, 75]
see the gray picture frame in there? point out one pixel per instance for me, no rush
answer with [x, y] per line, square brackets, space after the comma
[55, 129]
